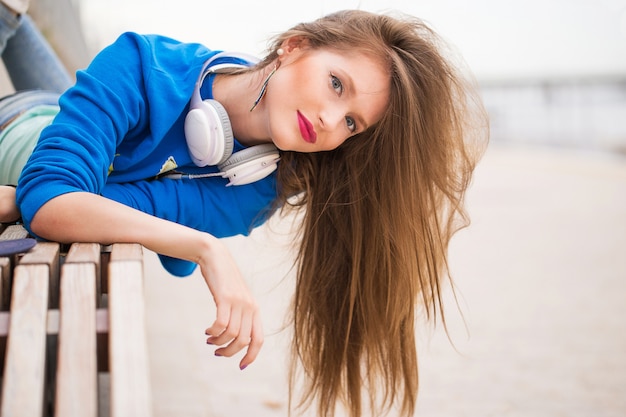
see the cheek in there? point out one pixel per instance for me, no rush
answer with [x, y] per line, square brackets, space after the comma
[281, 94]
[297, 83]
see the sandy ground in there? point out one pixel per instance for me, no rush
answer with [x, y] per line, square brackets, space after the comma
[541, 285]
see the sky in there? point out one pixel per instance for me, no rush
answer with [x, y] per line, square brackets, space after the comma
[499, 39]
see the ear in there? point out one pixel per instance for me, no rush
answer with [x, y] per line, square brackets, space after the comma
[293, 48]
[294, 43]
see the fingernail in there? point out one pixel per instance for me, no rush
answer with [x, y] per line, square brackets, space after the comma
[208, 342]
[243, 367]
[217, 354]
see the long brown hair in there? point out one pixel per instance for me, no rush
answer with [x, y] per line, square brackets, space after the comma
[379, 212]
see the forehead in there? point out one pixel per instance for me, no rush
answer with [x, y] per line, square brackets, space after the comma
[368, 72]
[368, 80]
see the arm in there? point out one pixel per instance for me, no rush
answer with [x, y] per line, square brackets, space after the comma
[113, 109]
[92, 218]
[8, 210]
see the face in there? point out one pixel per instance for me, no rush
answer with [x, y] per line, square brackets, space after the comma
[318, 98]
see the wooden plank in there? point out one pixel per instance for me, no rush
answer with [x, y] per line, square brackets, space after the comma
[92, 253]
[5, 283]
[9, 232]
[24, 370]
[128, 349]
[123, 251]
[4, 332]
[77, 375]
[105, 257]
[102, 339]
[84, 253]
[104, 394]
[4, 323]
[126, 252]
[46, 253]
[102, 321]
[87, 253]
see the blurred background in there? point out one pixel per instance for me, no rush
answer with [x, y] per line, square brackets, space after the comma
[552, 72]
[537, 324]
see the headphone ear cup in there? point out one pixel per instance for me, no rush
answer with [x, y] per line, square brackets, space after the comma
[208, 133]
[250, 164]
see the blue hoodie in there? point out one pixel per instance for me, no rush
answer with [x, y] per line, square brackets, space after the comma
[121, 125]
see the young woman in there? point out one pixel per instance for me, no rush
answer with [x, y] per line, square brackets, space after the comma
[377, 134]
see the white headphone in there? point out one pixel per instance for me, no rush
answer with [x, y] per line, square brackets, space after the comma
[210, 137]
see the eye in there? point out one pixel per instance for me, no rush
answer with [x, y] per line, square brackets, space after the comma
[351, 123]
[336, 84]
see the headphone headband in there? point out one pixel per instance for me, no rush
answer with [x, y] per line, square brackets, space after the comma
[209, 134]
[210, 67]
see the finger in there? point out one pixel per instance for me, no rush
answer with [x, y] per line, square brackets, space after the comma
[230, 332]
[222, 319]
[242, 339]
[256, 342]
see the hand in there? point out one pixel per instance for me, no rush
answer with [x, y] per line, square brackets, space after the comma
[93, 218]
[8, 210]
[238, 322]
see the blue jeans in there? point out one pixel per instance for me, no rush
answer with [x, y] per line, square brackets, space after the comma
[36, 72]
[30, 61]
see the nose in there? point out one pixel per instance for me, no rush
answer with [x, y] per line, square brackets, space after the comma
[333, 127]
[332, 117]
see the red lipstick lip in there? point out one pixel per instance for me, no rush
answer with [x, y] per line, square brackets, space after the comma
[306, 129]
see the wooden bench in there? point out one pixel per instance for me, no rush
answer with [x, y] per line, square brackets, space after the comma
[72, 331]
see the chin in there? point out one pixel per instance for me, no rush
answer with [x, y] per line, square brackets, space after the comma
[286, 145]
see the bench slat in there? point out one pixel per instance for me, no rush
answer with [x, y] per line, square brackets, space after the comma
[31, 344]
[126, 252]
[24, 370]
[46, 253]
[77, 374]
[102, 321]
[128, 349]
[8, 232]
[89, 253]
[5, 283]
[84, 253]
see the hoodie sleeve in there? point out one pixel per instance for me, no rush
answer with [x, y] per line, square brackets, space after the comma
[109, 103]
[204, 204]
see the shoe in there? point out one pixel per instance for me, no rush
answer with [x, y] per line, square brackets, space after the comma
[17, 6]
[15, 246]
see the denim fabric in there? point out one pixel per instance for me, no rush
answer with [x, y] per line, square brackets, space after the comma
[27, 56]
[31, 64]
